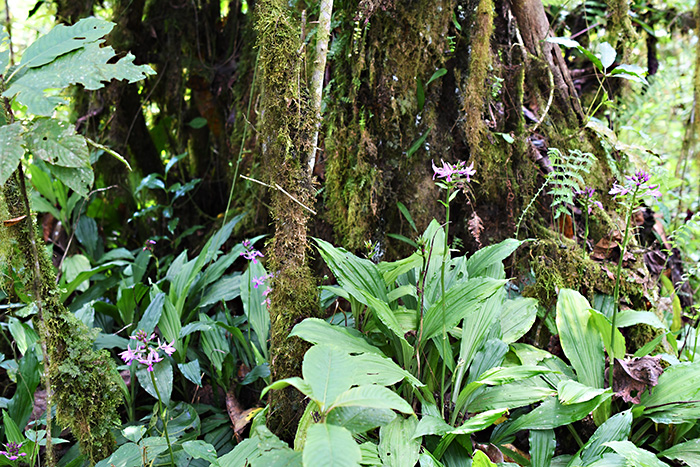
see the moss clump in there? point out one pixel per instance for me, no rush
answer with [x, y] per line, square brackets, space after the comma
[82, 382]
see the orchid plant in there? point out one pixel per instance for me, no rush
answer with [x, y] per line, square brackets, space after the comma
[147, 354]
[452, 179]
[629, 195]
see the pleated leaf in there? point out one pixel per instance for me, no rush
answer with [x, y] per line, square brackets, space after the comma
[582, 344]
[354, 274]
[635, 456]
[688, 452]
[542, 445]
[552, 414]
[667, 402]
[521, 313]
[616, 428]
[460, 301]
[486, 257]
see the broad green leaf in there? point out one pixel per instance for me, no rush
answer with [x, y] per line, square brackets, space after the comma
[128, 455]
[481, 460]
[490, 255]
[688, 452]
[460, 300]
[78, 179]
[521, 313]
[318, 331]
[509, 396]
[329, 372]
[627, 318]
[91, 66]
[607, 55]
[371, 368]
[563, 41]
[370, 456]
[250, 451]
[360, 419]
[191, 371]
[383, 313]
[163, 374]
[28, 376]
[432, 425]
[397, 446]
[581, 343]
[214, 344]
[636, 457]
[542, 445]
[64, 39]
[56, 143]
[225, 289]
[354, 274]
[5, 54]
[475, 329]
[552, 414]
[496, 377]
[152, 314]
[199, 449]
[675, 398]
[603, 325]
[170, 324]
[377, 397]
[479, 422]
[631, 72]
[134, 433]
[11, 150]
[573, 392]
[330, 446]
[295, 381]
[439, 73]
[616, 428]
[23, 335]
[73, 266]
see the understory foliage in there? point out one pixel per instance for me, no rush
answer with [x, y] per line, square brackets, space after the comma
[212, 336]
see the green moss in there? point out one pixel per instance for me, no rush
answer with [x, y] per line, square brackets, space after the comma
[473, 105]
[286, 132]
[83, 382]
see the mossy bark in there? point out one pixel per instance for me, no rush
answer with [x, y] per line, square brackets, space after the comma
[81, 382]
[287, 135]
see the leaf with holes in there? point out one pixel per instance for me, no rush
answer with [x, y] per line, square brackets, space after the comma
[56, 143]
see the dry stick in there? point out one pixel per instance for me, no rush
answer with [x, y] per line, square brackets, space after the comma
[322, 36]
[277, 187]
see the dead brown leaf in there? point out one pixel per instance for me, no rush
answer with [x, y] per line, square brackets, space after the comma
[633, 376]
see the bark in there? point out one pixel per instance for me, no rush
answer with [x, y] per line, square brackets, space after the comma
[534, 28]
[286, 132]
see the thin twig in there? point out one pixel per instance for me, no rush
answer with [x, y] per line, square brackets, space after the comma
[277, 187]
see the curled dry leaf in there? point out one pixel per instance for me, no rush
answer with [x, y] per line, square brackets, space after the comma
[239, 417]
[633, 376]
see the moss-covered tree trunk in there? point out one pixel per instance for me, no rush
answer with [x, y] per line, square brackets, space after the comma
[286, 140]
